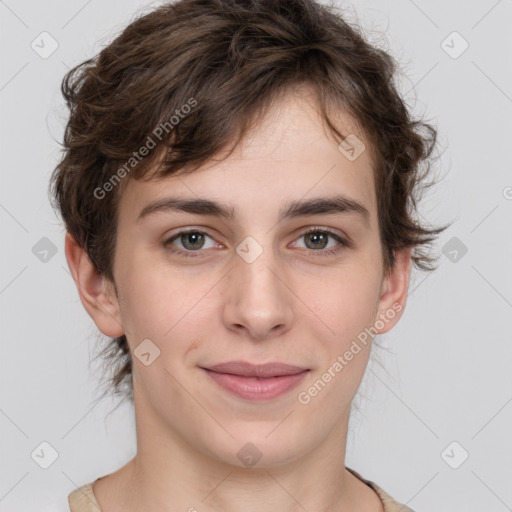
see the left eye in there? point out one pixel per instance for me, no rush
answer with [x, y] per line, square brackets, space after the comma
[319, 239]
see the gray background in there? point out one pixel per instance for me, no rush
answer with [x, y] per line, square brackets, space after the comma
[447, 370]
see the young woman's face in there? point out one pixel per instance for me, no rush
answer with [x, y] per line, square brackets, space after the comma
[257, 288]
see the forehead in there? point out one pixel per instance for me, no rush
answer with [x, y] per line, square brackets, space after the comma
[290, 154]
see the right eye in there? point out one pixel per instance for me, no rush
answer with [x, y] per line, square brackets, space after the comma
[191, 241]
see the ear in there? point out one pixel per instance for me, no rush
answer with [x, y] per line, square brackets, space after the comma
[95, 291]
[393, 294]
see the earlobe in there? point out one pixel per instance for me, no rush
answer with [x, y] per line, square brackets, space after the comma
[394, 291]
[94, 290]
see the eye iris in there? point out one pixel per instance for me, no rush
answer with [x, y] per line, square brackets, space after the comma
[197, 237]
[322, 237]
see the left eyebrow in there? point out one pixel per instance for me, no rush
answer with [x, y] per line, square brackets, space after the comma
[316, 206]
[325, 205]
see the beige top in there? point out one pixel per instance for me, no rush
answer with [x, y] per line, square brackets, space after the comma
[83, 499]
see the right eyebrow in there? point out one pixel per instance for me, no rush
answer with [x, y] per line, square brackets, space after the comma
[194, 206]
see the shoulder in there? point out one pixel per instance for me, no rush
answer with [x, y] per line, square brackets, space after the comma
[83, 500]
[388, 503]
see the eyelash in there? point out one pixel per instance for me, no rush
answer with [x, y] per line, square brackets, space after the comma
[321, 252]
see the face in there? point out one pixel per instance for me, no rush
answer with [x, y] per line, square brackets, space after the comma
[305, 289]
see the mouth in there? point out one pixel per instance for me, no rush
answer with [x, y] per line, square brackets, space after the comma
[256, 382]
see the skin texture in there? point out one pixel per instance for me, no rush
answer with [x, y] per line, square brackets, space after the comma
[291, 304]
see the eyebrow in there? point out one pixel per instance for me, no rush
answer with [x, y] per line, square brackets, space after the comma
[317, 206]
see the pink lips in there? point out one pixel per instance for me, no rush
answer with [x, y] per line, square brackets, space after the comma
[256, 382]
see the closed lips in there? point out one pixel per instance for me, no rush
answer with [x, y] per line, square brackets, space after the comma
[267, 370]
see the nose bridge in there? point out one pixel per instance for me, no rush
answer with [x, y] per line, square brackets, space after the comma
[258, 299]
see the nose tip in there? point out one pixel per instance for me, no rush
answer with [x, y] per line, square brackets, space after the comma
[259, 330]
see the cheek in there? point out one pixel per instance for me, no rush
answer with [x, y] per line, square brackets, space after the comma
[348, 309]
[150, 303]
[346, 303]
[164, 305]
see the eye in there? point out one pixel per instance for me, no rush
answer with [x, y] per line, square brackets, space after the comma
[191, 241]
[317, 241]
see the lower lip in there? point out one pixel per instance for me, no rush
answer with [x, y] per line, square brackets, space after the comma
[254, 388]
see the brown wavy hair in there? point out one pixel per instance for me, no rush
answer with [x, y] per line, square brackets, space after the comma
[234, 59]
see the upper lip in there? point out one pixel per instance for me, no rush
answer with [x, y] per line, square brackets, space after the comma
[245, 369]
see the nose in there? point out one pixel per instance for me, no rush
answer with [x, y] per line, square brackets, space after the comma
[259, 300]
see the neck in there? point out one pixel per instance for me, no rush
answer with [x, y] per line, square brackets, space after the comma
[169, 474]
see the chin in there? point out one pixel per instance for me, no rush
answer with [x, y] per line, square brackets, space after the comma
[258, 449]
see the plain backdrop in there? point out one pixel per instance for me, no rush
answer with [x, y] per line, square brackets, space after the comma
[433, 422]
